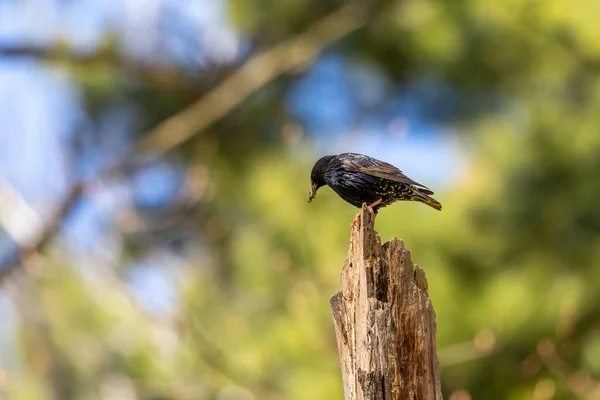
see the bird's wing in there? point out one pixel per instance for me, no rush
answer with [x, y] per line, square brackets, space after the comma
[380, 169]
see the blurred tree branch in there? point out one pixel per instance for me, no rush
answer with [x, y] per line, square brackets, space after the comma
[261, 69]
[165, 77]
[25, 250]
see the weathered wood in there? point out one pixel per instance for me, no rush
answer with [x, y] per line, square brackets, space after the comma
[384, 321]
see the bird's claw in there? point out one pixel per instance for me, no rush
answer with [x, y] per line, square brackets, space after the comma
[371, 207]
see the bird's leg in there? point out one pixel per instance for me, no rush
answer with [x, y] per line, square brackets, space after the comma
[374, 204]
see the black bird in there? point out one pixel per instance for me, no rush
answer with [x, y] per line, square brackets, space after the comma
[362, 179]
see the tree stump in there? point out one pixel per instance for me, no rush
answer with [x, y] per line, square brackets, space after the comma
[384, 321]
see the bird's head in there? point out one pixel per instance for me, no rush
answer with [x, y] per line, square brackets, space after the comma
[317, 176]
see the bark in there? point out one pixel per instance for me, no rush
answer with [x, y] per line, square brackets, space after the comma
[384, 321]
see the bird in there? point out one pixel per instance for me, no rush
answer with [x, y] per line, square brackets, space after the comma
[359, 179]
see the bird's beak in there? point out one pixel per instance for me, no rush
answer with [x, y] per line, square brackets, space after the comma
[313, 192]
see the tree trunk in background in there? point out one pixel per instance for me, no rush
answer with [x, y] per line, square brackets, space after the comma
[384, 321]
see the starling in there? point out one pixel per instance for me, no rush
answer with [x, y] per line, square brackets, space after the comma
[361, 179]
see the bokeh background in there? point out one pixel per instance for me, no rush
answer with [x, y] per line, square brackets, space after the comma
[155, 239]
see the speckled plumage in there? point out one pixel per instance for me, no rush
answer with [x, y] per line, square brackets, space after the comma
[360, 179]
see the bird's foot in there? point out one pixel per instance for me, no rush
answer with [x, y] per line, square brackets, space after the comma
[372, 207]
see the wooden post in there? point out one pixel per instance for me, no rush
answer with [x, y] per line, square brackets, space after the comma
[384, 321]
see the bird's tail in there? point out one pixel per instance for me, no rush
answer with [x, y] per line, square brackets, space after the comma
[418, 195]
